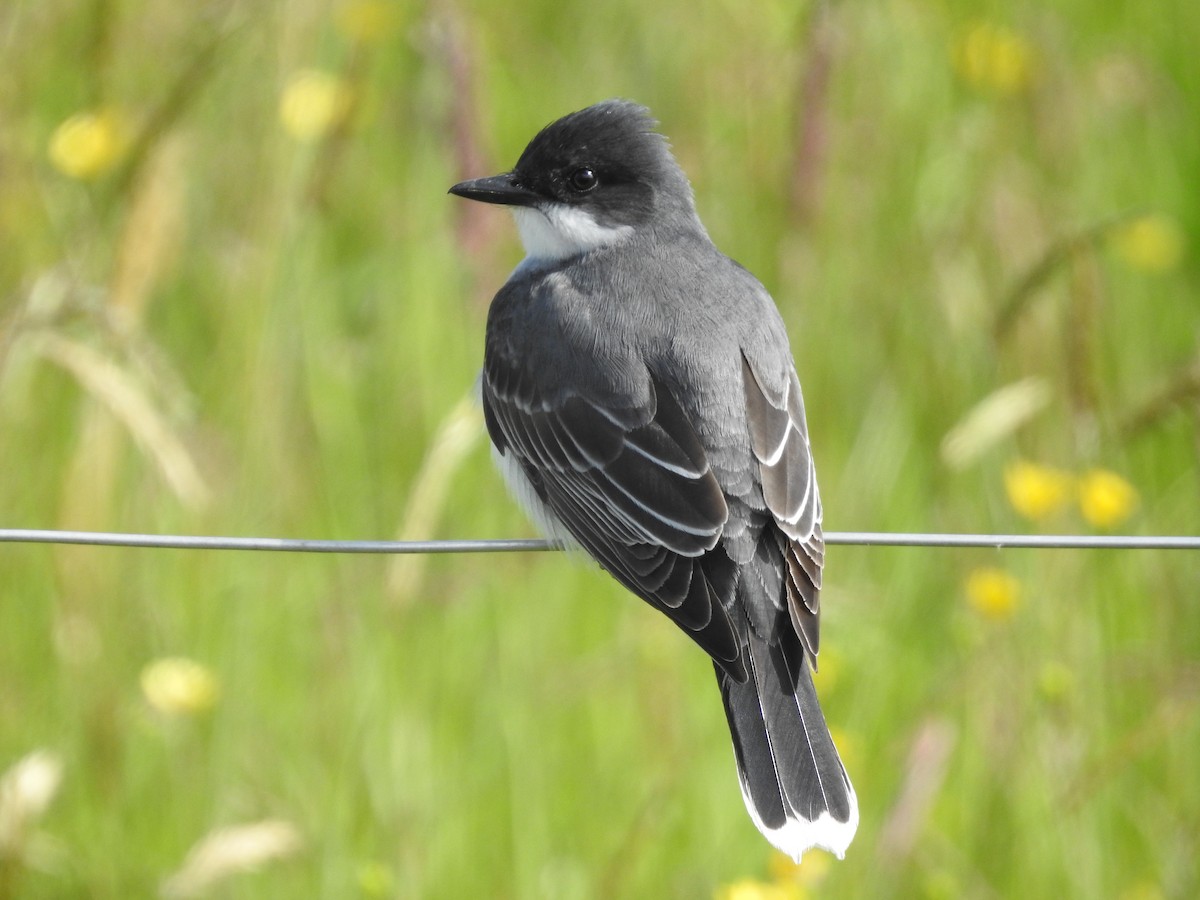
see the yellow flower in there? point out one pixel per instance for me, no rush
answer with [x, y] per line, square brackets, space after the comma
[1105, 498]
[368, 21]
[1035, 491]
[314, 103]
[751, 889]
[993, 593]
[89, 144]
[177, 686]
[809, 872]
[1152, 243]
[993, 59]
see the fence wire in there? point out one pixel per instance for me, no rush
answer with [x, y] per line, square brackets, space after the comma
[513, 545]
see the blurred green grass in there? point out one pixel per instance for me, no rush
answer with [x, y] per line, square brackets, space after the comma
[299, 318]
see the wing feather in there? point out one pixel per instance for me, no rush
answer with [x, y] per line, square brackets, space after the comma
[633, 486]
[779, 441]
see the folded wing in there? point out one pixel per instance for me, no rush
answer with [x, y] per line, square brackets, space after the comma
[633, 486]
[779, 441]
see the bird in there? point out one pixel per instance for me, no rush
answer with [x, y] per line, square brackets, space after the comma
[642, 401]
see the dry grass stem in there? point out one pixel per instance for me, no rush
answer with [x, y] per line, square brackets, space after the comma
[994, 418]
[230, 851]
[123, 397]
[457, 435]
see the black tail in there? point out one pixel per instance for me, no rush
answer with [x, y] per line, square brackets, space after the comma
[793, 782]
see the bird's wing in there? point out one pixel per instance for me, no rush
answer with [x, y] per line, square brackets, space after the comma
[779, 440]
[631, 483]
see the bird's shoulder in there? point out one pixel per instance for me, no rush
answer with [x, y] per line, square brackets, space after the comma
[594, 325]
[549, 338]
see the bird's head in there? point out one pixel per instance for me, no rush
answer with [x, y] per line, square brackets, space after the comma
[588, 180]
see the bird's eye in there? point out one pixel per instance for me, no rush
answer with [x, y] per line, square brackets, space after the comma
[583, 180]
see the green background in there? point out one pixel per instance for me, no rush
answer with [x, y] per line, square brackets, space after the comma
[299, 320]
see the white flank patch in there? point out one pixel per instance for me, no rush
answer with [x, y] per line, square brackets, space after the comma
[797, 835]
[554, 231]
[539, 514]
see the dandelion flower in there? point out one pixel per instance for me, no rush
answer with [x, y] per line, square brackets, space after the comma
[1152, 243]
[1105, 498]
[809, 872]
[993, 59]
[176, 686]
[368, 21]
[993, 593]
[752, 889]
[1035, 491]
[314, 103]
[89, 144]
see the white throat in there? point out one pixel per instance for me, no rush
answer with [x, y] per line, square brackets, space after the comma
[555, 231]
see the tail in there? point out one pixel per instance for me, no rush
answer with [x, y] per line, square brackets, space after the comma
[795, 786]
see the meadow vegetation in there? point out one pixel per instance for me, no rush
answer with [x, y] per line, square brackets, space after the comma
[236, 299]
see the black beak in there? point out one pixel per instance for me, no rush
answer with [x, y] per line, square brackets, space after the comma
[502, 189]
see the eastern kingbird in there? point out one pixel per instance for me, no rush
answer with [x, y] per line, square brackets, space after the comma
[642, 401]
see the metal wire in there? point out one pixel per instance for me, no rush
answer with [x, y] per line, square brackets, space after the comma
[858, 538]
